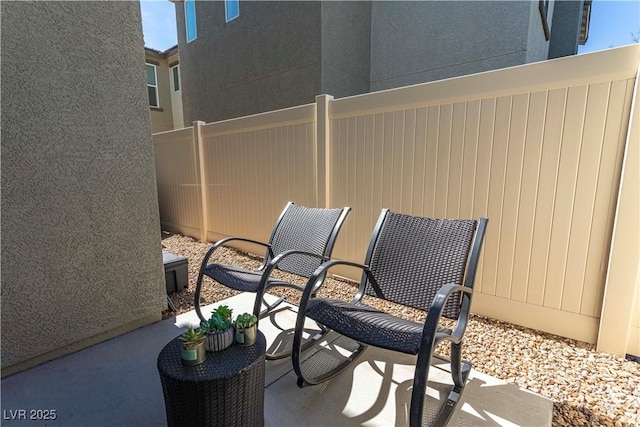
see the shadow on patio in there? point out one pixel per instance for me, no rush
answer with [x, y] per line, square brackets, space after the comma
[116, 383]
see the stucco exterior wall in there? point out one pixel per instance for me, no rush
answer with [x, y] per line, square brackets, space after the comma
[346, 47]
[281, 54]
[416, 42]
[81, 251]
[537, 44]
[565, 33]
[267, 59]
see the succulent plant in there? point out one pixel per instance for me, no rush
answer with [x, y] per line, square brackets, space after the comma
[192, 337]
[216, 323]
[246, 320]
[223, 311]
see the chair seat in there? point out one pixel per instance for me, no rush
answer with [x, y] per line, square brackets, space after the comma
[368, 325]
[237, 278]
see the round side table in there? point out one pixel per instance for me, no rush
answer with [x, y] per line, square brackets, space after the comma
[227, 389]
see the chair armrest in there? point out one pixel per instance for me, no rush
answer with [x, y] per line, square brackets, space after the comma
[262, 287]
[205, 261]
[223, 242]
[435, 313]
[319, 275]
[275, 261]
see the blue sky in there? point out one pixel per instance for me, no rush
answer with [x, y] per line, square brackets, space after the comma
[159, 24]
[612, 24]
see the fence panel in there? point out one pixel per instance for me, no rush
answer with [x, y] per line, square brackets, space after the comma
[178, 182]
[537, 149]
[254, 166]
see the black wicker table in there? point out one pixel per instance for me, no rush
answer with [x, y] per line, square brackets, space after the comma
[227, 389]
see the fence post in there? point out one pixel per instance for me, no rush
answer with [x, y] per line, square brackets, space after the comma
[623, 275]
[323, 151]
[204, 177]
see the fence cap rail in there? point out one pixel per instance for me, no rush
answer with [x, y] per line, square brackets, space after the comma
[176, 135]
[277, 118]
[613, 64]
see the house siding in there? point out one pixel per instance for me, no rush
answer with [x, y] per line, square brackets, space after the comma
[346, 48]
[161, 117]
[280, 54]
[268, 58]
[565, 33]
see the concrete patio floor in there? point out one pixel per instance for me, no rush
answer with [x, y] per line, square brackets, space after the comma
[116, 383]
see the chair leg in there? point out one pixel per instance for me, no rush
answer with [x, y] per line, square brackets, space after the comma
[420, 379]
[460, 370]
[305, 380]
[456, 364]
[315, 338]
[270, 307]
[298, 361]
[447, 410]
[459, 373]
[323, 355]
[170, 303]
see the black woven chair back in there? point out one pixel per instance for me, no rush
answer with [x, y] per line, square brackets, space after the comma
[306, 229]
[413, 257]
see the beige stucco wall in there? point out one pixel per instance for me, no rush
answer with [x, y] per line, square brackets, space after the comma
[81, 251]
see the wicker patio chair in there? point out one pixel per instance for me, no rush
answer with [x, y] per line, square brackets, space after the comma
[428, 264]
[300, 241]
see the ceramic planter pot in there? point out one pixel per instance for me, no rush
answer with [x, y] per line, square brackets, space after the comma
[194, 354]
[247, 336]
[218, 341]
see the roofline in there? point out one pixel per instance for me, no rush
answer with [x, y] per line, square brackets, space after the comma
[171, 51]
[586, 19]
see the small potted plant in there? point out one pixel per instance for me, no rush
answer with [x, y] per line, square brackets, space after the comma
[223, 311]
[246, 329]
[218, 329]
[193, 348]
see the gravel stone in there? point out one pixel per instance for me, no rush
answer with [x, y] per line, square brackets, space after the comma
[588, 388]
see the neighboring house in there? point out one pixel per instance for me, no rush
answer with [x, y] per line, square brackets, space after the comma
[246, 57]
[165, 89]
